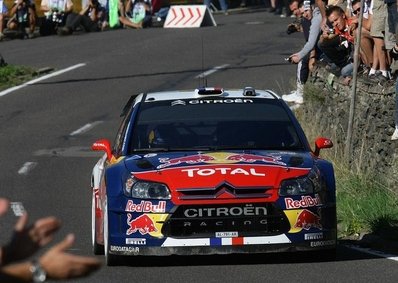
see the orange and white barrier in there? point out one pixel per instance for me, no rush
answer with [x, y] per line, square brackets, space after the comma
[189, 16]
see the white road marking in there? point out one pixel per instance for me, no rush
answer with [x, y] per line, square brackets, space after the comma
[85, 128]
[7, 91]
[374, 252]
[26, 168]
[211, 71]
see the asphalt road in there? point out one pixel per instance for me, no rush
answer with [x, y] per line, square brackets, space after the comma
[46, 130]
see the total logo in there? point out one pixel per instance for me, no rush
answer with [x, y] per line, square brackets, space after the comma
[221, 171]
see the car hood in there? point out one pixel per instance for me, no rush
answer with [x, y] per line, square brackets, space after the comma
[189, 171]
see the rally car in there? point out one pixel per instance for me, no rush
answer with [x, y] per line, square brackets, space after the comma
[211, 171]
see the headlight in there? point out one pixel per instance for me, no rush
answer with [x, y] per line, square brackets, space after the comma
[308, 184]
[145, 190]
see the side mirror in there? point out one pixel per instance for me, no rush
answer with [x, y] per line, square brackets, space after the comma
[322, 143]
[103, 145]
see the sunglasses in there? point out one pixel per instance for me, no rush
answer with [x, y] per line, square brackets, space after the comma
[356, 11]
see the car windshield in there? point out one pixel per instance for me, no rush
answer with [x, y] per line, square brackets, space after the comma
[213, 124]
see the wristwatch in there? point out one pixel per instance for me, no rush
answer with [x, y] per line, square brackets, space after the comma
[38, 273]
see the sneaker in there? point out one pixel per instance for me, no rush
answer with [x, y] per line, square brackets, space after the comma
[2, 36]
[394, 136]
[293, 97]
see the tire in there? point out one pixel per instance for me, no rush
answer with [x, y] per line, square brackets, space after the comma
[98, 249]
[110, 260]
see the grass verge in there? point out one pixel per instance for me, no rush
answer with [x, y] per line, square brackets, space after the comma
[365, 203]
[11, 75]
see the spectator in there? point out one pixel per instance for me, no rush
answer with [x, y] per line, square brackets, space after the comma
[91, 18]
[377, 31]
[53, 264]
[366, 50]
[23, 16]
[223, 5]
[56, 12]
[393, 28]
[337, 43]
[138, 14]
[3, 15]
[307, 53]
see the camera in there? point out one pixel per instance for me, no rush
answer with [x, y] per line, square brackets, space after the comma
[289, 59]
[291, 28]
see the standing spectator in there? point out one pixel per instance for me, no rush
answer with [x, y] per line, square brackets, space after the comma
[53, 264]
[223, 5]
[302, 58]
[3, 14]
[367, 43]
[392, 17]
[56, 12]
[377, 31]
[23, 16]
[90, 18]
[138, 14]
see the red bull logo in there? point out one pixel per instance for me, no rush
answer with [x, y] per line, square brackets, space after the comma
[143, 224]
[192, 159]
[251, 158]
[307, 219]
[220, 157]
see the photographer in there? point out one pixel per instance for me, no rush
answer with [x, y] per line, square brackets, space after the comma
[305, 57]
[56, 12]
[90, 18]
[22, 17]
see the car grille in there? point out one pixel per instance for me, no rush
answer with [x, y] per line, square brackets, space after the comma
[222, 190]
[255, 219]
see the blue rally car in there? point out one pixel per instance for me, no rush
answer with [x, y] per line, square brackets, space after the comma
[211, 171]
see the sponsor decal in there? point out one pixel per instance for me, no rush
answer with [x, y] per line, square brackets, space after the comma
[150, 155]
[222, 171]
[323, 243]
[300, 219]
[307, 219]
[135, 241]
[219, 223]
[225, 211]
[145, 206]
[219, 101]
[143, 224]
[313, 236]
[125, 249]
[226, 234]
[306, 201]
[220, 158]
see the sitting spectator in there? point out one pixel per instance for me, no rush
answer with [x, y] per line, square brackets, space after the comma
[22, 17]
[91, 18]
[311, 24]
[377, 31]
[338, 43]
[138, 14]
[3, 15]
[53, 264]
[56, 12]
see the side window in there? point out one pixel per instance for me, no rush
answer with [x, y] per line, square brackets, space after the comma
[121, 133]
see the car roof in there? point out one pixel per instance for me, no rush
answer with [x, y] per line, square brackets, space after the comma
[199, 93]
